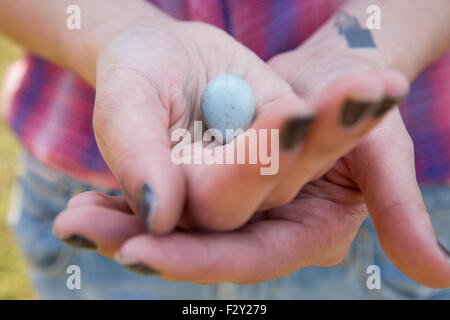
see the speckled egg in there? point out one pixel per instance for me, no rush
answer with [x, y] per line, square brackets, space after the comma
[227, 103]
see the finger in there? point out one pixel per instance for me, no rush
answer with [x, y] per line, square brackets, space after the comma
[384, 170]
[97, 227]
[131, 125]
[94, 198]
[351, 106]
[346, 110]
[260, 251]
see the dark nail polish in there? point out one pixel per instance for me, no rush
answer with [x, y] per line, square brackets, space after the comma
[146, 202]
[444, 248]
[294, 131]
[80, 242]
[353, 111]
[385, 105]
[140, 268]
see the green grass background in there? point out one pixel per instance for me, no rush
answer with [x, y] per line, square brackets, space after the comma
[14, 283]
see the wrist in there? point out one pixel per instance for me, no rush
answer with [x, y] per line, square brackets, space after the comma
[312, 66]
[410, 36]
[82, 48]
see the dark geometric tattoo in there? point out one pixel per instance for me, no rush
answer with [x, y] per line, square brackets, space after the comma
[355, 36]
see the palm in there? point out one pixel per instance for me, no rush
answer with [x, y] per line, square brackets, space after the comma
[179, 68]
[327, 210]
[161, 76]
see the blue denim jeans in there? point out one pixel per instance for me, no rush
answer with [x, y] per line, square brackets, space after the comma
[42, 193]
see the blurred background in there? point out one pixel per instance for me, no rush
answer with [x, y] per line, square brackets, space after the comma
[14, 282]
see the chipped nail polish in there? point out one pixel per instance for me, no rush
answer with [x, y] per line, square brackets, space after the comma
[294, 131]
[136, 266]
[353, 111]
[444, 248]
[80, 242]
[146, 202]
[141, 268]
[387, 104]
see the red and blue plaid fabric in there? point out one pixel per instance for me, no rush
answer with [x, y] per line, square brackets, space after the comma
[50, 108]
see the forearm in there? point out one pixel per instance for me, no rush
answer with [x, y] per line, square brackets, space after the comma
[413, 34]
[40, 26]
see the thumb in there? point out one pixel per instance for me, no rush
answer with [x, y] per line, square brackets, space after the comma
[384, 170]
[131, 128]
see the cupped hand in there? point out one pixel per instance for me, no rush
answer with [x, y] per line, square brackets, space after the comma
[381, 167]
[149, 83]
[316, 227]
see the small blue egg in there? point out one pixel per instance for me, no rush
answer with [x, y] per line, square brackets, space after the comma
[227, 103]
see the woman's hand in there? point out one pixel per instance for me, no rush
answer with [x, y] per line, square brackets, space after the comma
[381, 167]
[149, 82]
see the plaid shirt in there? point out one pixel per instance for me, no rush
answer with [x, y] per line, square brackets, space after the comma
[50, 108]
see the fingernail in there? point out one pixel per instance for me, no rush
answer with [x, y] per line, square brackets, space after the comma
[353, 111]
[387, 104]
[443, 248]
[146, 202]
[294, 131]
[137, 267]
[141, 268]
[80, 242]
